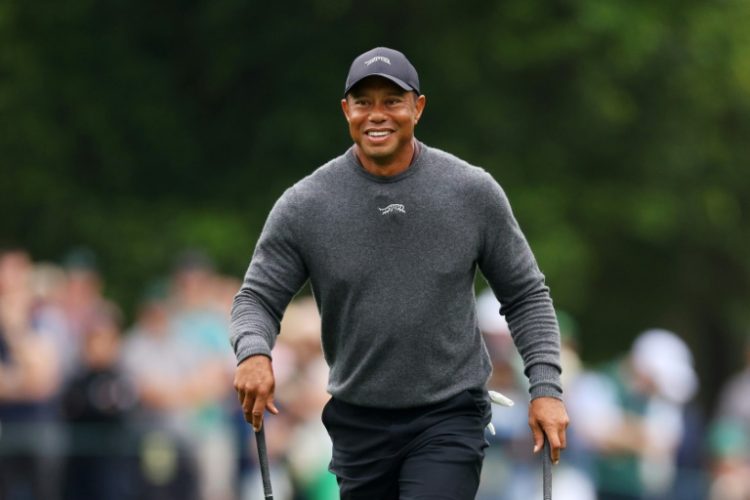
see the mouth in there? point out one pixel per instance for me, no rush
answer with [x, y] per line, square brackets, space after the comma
[377, 134]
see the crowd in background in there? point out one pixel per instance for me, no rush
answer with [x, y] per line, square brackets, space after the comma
[94, 407]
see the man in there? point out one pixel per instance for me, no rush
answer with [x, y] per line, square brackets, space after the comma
[390, 235]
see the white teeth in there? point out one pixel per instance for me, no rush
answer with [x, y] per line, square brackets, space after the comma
[377, 133]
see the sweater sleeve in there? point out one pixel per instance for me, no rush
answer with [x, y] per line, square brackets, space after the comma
[511, 270]
[275, 274]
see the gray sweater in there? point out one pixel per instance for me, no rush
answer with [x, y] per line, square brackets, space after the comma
[391, 262]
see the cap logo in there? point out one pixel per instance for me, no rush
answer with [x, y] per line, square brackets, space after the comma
[376, 59]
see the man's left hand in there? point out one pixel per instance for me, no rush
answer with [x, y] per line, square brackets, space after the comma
[547, 416]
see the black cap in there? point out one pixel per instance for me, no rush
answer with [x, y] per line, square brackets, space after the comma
[388, 63]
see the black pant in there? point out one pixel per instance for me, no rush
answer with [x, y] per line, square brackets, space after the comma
[429, 452]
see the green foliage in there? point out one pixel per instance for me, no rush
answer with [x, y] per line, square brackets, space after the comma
[618, 128]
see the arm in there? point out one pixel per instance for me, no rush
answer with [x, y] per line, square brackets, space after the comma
[276, 273]
[509, 265]
[208, 382]
[33, 372]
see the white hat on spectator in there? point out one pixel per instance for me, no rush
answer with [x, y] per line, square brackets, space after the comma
[666, 359]
[490, 320]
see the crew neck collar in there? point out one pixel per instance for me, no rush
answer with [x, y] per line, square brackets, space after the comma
[352, 158]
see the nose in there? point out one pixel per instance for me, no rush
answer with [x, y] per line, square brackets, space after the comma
[377, 118]
[377, 114]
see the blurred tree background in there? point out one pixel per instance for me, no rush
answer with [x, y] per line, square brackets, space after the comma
[619, 129]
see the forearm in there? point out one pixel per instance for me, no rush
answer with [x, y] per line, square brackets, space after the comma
[9, 382]
[210, 382]
[512, 271]
[628, 437]
[533, 325]
[32, 374]
[275, 274]
[527, 307]
[254, 326]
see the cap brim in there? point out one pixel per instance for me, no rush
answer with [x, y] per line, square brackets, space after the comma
[395, 80]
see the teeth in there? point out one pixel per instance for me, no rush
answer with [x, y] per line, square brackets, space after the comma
[377, 133]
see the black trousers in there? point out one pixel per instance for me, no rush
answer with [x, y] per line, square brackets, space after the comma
[429, 452]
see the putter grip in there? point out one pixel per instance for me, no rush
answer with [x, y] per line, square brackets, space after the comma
[546, 471]
[265, 473]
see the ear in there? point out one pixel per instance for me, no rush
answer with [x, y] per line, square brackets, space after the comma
[345, 108]
[419, 103]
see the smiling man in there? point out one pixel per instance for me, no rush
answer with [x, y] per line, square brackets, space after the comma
[390, 235]
[382, 117]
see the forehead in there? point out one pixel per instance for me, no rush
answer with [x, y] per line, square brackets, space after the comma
[376, 83]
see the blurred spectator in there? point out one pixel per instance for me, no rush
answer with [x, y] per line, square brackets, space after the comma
[201, 326]
[97, 404]
[303, 394]
[632, 416]
[730, 438]
[299, 446]
[29, 375]
[80, 302]
[508, 470]
[634, 428]
[162, 369]
[573, 476]
[49, 285]
[569, 348]
[511, 471]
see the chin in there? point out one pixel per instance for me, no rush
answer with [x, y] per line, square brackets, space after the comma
[376, 153]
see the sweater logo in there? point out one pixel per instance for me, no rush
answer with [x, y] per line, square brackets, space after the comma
[393, 207]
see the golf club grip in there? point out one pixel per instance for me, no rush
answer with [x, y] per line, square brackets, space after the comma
[265, 473]
[546, 471]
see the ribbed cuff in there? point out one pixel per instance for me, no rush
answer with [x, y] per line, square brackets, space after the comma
[250, 345]
[544, 381]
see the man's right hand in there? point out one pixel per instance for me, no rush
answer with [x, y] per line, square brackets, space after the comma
[254, 383]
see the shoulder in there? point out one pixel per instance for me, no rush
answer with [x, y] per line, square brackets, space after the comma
[320, 182]
[457, 170]
[311, 187]
[472, 183]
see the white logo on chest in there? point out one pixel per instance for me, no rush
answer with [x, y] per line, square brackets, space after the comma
[393, 207]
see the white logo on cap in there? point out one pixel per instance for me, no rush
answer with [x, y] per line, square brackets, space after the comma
[376, 59]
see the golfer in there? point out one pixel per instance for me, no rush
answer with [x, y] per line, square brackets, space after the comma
[390, 235]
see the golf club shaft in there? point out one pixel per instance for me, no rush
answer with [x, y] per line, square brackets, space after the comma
[265, 473]
[546, 471]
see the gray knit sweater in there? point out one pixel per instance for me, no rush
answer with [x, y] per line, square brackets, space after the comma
[391, 262]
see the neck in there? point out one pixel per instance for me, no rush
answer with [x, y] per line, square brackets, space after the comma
[387, 167]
